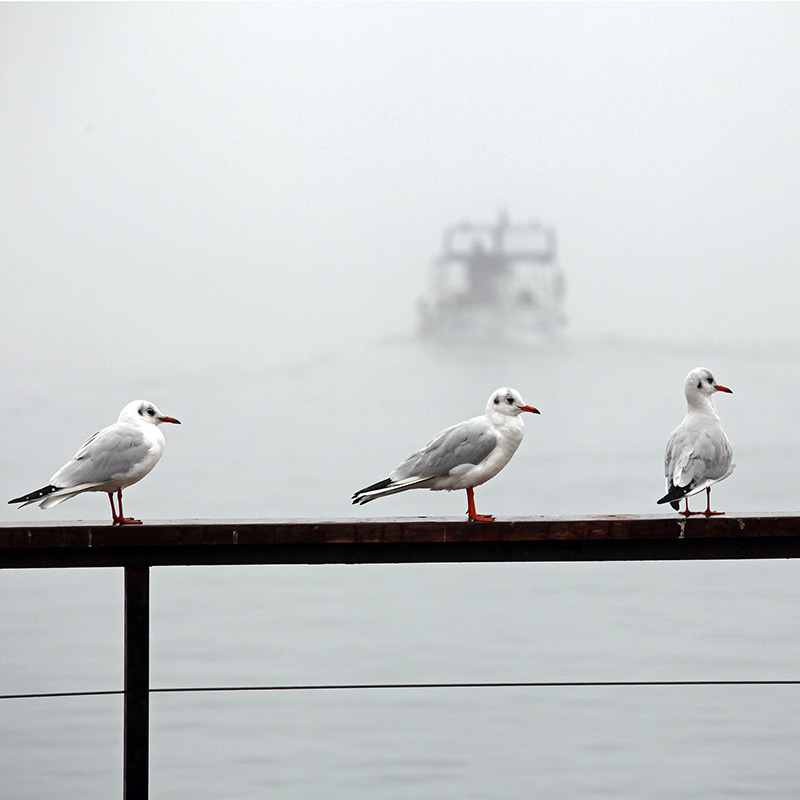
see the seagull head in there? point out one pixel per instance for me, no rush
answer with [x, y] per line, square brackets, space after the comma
[701, 383]
[508, 402]
[144, 411]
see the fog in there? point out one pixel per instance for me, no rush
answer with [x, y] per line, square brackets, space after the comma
[195, 185]
[230, 209]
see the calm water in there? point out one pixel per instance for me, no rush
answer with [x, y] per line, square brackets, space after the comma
[295, 441]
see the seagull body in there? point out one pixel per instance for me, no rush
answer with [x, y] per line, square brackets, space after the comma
[111, 460]
[698, 452]
[462, 456]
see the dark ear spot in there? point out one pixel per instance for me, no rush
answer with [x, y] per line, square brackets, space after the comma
[141, 414]
[699, 384]
[496, 400]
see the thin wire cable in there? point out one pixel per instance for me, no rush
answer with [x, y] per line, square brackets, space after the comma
[407, 686]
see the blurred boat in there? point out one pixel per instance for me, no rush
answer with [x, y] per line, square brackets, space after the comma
[494, 282]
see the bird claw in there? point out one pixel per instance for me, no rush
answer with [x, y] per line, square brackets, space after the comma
[480, 517]
[126, 521]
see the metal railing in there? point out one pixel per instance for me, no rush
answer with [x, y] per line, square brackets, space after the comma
[137, 548]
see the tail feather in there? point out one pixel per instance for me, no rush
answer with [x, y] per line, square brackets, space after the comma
[55, 499]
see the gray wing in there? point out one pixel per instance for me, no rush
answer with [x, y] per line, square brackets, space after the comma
[694, 456]
[107, 455]
[469, 442]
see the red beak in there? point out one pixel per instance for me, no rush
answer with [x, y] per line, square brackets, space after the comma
[535, 410]
[169, 419]
[723, 389]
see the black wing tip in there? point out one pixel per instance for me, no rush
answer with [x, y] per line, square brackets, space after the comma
[37, 495]
[375, 487]
[675, 494]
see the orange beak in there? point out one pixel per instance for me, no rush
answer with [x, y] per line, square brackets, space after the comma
[169, 419]
[535, 410]
[723, 389]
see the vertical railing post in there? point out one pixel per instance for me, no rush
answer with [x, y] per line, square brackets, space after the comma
[137, 683]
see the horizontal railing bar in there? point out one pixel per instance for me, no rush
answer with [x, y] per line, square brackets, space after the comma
[365, 686]
[589, 538]
[384, 530]
[400, 540]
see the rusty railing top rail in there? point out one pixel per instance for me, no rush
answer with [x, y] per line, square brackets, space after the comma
[396, 540]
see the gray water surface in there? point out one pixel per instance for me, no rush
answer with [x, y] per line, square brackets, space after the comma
[295, 441]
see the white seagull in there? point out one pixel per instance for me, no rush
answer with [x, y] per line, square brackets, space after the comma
[463, 456]
[111, 460]
[698, 451]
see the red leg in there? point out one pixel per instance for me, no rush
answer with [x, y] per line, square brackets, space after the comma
[121, 520]
[708, 512]
[686, 512]
[114, 516]
[471, 513]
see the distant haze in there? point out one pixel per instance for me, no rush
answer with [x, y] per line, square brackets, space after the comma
[230, 209]
[237, 183]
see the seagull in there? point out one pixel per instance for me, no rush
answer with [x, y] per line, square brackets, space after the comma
[698, 451]
[111, 460]
[462, 456]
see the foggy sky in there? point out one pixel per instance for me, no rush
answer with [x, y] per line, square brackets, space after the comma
[198, 184]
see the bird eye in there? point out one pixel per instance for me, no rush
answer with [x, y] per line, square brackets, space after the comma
[509, 399]
[151, 411]
[710, 379]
